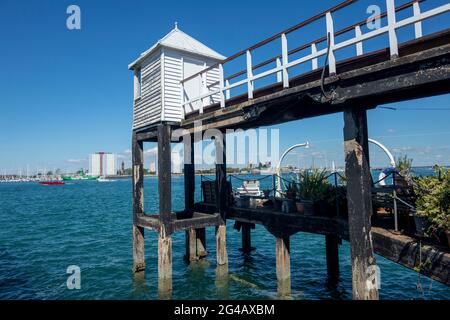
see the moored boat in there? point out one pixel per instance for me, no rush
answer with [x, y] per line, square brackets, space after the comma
[51, 182]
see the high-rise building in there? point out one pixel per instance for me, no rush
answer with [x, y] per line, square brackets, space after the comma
[176, 163]
[102, 164]
[152, 167]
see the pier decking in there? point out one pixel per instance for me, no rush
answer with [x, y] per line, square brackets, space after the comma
[417, 68]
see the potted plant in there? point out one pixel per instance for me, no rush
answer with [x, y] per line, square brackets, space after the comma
[402, 178]
[315, 190]
[287, 205]
[291, 190]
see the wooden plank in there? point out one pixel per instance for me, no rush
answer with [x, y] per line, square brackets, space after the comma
[359, 201]
[138, 204]
[408, 252]
[283, 266]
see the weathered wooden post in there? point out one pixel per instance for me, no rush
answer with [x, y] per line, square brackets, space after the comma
[189, 191]
[332, 254]
[246, 237]
[221, 199]
[359, 199]
[283, 264]
[138, 203]
[165, 211]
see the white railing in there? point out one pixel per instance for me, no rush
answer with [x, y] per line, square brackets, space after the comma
[282, 61]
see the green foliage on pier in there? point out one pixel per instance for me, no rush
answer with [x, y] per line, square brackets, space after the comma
[433, 199]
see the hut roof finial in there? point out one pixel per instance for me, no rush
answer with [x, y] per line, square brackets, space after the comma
[176, 25]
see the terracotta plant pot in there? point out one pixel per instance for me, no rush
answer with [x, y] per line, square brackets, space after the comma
[300, 207]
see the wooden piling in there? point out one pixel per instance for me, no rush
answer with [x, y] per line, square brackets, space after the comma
[283, 265]
[165, 210]
[201, 242]
[246, 237]
[189, 191]
[138, 203]
[332, 254]
[359, 201]
[191, 245]
[221, 199]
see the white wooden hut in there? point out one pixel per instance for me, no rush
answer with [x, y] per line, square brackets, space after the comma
[158, 71]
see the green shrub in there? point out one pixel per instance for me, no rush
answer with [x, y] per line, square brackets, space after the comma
[433, 199]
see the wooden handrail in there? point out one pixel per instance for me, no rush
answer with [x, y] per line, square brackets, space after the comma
[322, 39]
[265, 41]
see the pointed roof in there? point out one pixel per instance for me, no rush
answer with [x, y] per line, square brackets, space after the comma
[177, 39]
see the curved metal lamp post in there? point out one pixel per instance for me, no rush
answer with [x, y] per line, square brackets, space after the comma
[388, 153]
[392, 161]
[278, 167]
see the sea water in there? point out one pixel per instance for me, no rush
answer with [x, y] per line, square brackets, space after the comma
[46, 229]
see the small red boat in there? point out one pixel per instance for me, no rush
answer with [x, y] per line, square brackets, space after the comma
[51, 182]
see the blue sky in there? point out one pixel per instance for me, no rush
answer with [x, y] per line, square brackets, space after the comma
[65, 94]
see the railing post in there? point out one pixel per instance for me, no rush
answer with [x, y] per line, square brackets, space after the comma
[393, 43]
[359, 45]
[221, 86]
[417, 25]
[200, 101]
[279, 74]
[249, 75]
[227, 92]
[330, 35]
[284, 57]
[315, 61]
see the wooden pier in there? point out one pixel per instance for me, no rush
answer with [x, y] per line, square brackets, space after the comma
[413, 69]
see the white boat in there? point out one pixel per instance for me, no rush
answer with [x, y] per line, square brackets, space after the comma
[249, 188]
[104, 179]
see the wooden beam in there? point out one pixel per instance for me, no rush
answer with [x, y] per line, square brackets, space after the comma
[164, 177]
[283, 265]
[332, 254]
[138, 204]
[165, 211]
[359, 200]
[189, 191]
[222, 197]
[431, 261]
[189, 175]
